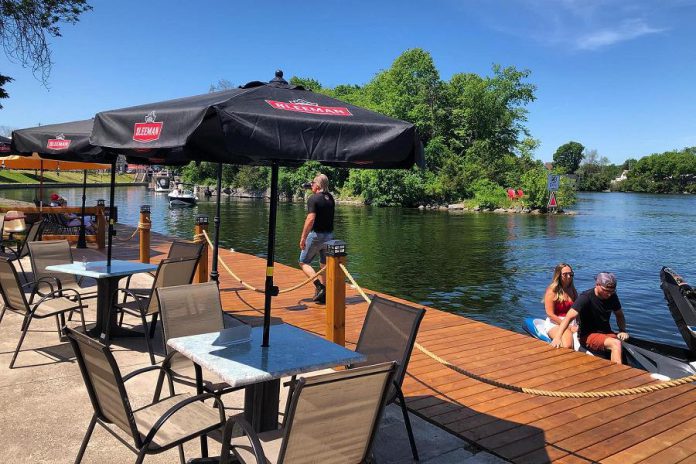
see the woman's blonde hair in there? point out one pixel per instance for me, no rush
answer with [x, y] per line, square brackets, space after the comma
[559, 294]
[322, 181]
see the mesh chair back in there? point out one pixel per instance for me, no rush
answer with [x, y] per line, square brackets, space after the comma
[44, 254]
[190, 310]
[388, 334]
[181, 249]
[33, 236]
[170, 273]
[10, 288]
[103, 381]
[322, 427]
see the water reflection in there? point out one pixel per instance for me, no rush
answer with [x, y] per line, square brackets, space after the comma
[488, 266]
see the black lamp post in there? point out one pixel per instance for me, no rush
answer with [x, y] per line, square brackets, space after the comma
[82, 238]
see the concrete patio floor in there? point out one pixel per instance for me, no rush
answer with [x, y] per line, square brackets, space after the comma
[46, 408]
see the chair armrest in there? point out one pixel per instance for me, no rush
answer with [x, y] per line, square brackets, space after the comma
[144, 370]
[59, 293]
[138, 299]
[35, 290]
[249, 432]
[177, 407]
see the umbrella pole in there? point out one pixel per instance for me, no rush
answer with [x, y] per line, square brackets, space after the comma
[82, 239]
[214, 269]
[270, 290]
[112, 194]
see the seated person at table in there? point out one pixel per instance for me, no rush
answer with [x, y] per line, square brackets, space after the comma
[593, 308]
[559, 297]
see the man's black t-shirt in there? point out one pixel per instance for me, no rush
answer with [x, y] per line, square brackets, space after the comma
[323, 205]
[594, 312]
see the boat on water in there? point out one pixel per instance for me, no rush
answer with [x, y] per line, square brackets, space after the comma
[182, 197]
[662, 360]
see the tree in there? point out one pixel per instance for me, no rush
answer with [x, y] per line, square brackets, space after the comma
[25, 28]
[568, 157]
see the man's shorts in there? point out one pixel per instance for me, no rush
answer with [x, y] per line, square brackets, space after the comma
[595, 341]
[315, 246]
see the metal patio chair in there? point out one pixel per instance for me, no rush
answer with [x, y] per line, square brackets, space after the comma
[191, 310]
[319, 427]
[51, 304]
[154, 428]
[388, 334]
[21, 250]
[170, 272]
[177, 250]
[44, 254]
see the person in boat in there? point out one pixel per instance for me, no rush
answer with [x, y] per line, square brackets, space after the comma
[207, 191]
[317, 230]
[559, 297]
[593, 308]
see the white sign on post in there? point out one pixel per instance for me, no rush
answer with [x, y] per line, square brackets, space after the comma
[553, 182]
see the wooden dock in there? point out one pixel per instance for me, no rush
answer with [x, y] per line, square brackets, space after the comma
[657, 427]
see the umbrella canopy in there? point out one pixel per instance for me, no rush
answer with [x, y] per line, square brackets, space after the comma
[261, 124]
[37, 162]
[68, 142]
[5, 145]
[273, 124]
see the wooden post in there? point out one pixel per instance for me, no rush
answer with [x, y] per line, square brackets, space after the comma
[144, 229]
[101, 225]
[202, 269]
[336, 292]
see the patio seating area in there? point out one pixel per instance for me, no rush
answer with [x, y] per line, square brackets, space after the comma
[48, 410]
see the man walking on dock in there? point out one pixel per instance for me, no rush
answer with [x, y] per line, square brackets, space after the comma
[593, 308]
[317, 230]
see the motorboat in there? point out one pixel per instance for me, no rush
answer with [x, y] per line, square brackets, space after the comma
[664, 360]
[182, 197]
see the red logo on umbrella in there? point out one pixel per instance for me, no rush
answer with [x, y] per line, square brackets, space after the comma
[303, 106]
[4, 148]
[59, 143]
[147, 131]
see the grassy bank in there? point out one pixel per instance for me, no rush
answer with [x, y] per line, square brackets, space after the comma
[52, 177]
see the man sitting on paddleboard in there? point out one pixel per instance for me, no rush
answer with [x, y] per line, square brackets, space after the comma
[593, 308]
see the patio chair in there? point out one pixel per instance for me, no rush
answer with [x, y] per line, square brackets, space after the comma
[388, 334]
[170, 272]
[22, 249]
[191, 310]
[154, 428]
[177, 250]
[51, 304]
[44, 254]
[318, 427]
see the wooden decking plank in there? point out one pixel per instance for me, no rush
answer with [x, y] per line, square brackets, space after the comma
[525, 429]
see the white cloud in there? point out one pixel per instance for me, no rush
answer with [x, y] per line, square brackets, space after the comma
[627, 30]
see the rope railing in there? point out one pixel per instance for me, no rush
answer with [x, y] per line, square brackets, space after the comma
[532, 391]
[146, 225]
[247, 285]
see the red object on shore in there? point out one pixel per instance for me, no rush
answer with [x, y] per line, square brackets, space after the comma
[520, 193]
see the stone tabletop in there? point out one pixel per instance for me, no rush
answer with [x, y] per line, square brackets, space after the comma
[291, 351]
[99, 269]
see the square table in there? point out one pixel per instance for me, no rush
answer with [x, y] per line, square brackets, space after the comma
[291, 351]
[107, 278]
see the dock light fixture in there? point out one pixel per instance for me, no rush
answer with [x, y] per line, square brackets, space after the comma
[101, 202]
[202, 219]
[336, 248]
[144, 208]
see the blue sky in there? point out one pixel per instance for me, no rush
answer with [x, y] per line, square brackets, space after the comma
[614, 75]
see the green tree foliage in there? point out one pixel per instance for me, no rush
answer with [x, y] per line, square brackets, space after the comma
[536, 195]
[568, 157]
[25, 28]
[669, 172]
[473, 129]
[595, 174]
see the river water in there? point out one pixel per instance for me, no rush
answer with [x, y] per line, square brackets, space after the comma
[490, 267]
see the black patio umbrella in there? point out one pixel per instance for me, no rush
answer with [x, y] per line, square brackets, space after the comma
[68, 142]
[269, 124]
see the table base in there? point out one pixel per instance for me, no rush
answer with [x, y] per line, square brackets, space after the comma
[261, 405]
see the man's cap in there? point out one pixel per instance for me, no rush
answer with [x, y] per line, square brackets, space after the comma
[606, 279]
[54, 196]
